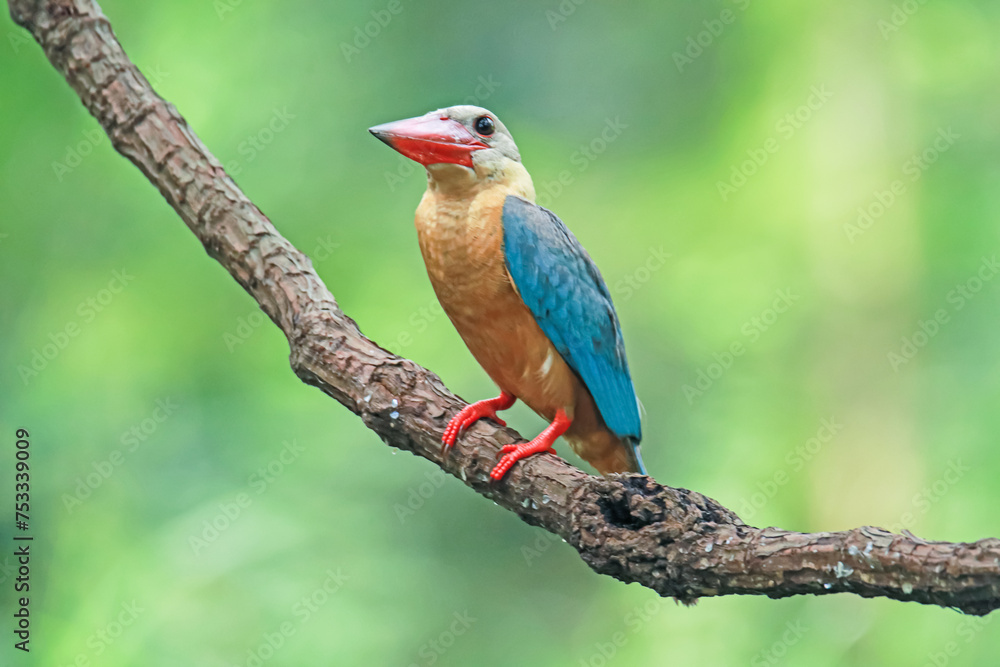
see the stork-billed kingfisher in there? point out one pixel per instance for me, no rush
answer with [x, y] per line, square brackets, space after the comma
[525, 296]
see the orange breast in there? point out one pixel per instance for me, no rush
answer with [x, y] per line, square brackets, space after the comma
[462, 243]
[461, 239]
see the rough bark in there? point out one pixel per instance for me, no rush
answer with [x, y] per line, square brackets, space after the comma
[674, 541]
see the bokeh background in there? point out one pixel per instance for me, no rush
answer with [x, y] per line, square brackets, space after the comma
[816, 184]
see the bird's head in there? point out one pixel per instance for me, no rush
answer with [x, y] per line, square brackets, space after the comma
[461, 142]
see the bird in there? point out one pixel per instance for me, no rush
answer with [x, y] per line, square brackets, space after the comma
[525, 296]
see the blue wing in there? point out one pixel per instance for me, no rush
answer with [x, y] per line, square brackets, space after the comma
[565, 292]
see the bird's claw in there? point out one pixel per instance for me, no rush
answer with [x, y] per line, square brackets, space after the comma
[466, 417]
[541, 444]
[507, 449]
[514, 453]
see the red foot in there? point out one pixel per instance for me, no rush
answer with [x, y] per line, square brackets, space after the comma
[543, 443]
[470, 414]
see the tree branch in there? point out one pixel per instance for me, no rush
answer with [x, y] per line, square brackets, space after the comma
[674, 541]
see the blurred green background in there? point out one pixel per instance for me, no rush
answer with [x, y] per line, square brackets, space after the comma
[813, 185]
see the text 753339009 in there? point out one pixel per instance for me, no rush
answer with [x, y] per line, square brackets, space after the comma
[22, 542]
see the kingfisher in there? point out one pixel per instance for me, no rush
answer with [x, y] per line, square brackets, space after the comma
[524, 295]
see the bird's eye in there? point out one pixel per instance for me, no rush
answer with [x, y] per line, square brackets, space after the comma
[484, 126]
